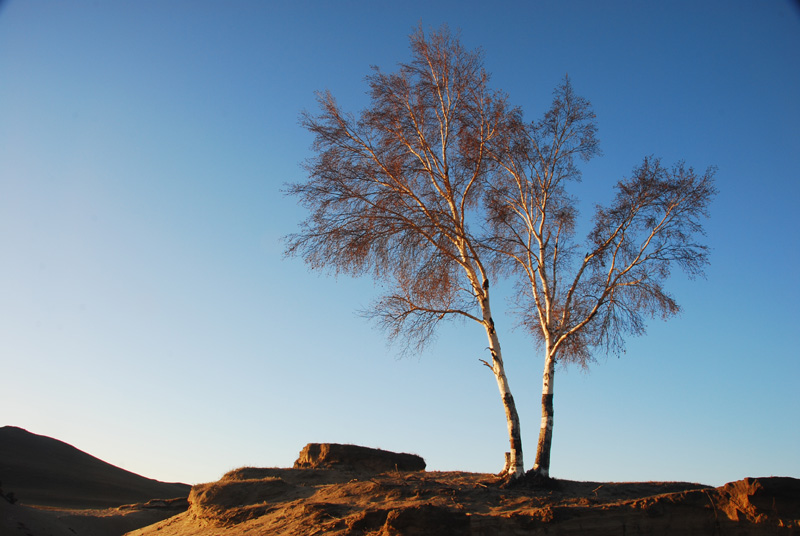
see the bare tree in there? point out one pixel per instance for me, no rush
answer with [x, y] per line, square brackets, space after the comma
[398, 191]
[575, 303]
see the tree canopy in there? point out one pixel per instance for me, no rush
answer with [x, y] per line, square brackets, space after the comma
[398, 193]
[440, 186]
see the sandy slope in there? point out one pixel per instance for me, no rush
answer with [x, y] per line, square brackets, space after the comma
[62, 491]
[353, 499]
[317, 501]
[20, 520]
[46, 472]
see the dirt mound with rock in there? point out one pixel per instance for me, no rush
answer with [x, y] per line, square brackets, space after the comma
[347, 490]
[346, 502]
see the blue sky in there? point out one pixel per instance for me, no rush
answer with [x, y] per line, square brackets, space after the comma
[147, 314]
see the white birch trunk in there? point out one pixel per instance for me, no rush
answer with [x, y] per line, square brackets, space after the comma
[514, 466]
[542, 464]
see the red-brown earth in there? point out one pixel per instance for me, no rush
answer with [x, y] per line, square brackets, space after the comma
[340, 502]
[355, 491]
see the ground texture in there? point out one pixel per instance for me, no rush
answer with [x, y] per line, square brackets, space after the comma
[339, 502]
[51, 489]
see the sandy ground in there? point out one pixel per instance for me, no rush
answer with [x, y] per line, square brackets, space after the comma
[311, 502]
[352, 491]
[347, 503]
[20, 520]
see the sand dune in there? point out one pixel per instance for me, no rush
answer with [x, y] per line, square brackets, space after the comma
[62, 491]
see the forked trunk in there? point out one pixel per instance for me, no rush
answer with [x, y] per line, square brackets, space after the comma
[542, 464]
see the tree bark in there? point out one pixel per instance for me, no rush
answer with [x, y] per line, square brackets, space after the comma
[542, 464]
[515, 464]
[515, 467]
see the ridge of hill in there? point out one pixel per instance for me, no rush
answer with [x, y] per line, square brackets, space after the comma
[42, 471]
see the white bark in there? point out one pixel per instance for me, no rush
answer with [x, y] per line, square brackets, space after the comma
[542, 464]
[515, 466]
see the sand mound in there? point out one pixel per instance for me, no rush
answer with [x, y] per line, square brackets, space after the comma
[354, 491]
[62, 491]
[234, 501]
[43, 471]
[349, 503]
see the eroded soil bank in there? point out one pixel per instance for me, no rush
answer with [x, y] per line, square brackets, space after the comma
[341, 502]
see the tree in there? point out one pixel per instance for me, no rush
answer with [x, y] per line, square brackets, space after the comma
[576, 304]
[398, 193]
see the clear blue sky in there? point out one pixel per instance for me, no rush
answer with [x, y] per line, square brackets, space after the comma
[148, 317]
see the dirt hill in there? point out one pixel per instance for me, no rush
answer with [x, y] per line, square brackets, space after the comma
[336, 490]
[42, 471]
[395, 503]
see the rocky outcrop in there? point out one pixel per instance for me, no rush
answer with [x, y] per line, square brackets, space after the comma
[356, 458]
[758, 500]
